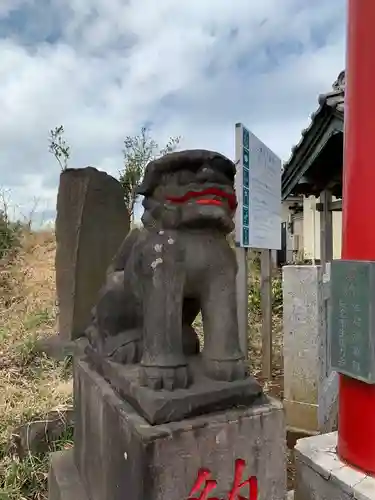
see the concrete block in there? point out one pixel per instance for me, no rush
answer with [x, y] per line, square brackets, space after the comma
[310, 388]
[321, 475]
[118, 454]
[91, 223]
[365, 490]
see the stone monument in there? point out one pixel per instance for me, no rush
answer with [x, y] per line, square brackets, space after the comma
[156, 419]
[92, 221]
[310, 385]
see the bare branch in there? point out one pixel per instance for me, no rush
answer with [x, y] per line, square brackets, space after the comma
[59, 147]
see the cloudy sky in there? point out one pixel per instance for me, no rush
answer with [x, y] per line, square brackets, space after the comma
[193, 68]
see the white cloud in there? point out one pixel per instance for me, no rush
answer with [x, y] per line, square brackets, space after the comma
[190, 68]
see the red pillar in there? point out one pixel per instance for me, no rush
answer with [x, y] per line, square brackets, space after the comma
[356, 435]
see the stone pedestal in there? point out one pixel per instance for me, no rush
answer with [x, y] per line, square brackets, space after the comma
[321, 475]
[310, 387]
[118, 454]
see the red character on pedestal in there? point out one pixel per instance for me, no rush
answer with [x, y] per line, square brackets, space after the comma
[203, 480]
[208, 485]
[251, 482]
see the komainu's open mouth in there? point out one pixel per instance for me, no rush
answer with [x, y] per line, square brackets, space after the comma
[209, 196]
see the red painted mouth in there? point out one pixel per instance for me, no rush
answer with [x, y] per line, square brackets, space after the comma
[199, 196]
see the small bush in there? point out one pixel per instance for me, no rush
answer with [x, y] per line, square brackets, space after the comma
[255, 295]
[277, 295]
[10, 234]
[254, 286]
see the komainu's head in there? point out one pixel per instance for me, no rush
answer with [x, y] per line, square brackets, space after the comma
[191, 189]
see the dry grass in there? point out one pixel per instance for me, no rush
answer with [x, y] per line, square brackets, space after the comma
[30, 383]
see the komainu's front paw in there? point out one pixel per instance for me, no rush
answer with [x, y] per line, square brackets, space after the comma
[225, 370]
[157, 378]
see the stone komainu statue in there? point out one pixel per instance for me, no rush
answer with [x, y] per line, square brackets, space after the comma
[179, 264]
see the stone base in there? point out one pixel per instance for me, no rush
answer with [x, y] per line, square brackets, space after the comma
[301, 417]
[204, 394]
[321, 475]
[120, 455]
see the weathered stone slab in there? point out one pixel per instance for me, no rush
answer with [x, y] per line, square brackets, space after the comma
[120, 455]
[36, 436]
[321, 475]
[91, 223]
[56, 347]
[204, 395]
[310, 386]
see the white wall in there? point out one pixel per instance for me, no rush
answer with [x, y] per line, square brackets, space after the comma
[292, 251]
[311, 230]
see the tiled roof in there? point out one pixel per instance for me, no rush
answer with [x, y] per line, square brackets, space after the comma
[333, 99]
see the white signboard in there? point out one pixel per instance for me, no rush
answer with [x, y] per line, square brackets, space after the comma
[258, 189]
